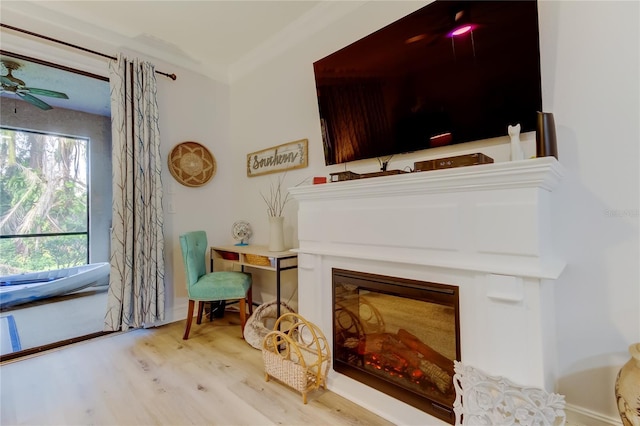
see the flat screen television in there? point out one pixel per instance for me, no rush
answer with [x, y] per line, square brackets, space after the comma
[414, 84]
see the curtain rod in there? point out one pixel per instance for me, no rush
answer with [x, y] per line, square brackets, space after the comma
[84, 49]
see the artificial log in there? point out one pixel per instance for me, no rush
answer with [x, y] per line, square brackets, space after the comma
[427, 351]
[374, 342]
[436, 375]
[388, 352]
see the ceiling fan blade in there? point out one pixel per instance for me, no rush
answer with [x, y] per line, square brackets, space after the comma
[35, 101]
[45, 92]
[7, 81]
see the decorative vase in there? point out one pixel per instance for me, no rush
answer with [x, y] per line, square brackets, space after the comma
[516, 148]
[628, 388]
[276, 233]
[546, 145]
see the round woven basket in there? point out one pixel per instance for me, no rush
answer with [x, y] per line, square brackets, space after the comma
[260, 323]
[191, 164]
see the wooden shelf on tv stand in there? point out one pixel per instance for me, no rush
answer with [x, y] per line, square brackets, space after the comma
[340, 176]
[421, 166]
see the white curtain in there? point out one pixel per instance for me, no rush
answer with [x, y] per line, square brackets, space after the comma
[136, 285]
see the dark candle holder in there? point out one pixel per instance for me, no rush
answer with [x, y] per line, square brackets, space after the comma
[546, 145]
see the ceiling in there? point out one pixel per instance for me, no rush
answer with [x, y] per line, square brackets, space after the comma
[211, 37]
[218, 33]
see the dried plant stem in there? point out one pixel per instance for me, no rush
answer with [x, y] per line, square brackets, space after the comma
[276, 200]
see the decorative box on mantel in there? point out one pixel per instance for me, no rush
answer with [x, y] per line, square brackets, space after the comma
[486, 229]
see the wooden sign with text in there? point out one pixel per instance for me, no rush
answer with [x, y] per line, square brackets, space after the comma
[292, 155]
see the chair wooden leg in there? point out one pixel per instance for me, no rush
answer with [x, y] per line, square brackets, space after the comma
[243, 314]
[200, 310]
[250, 300]
[189, 319]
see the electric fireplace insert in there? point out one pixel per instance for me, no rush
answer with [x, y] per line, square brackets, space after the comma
[399, 336]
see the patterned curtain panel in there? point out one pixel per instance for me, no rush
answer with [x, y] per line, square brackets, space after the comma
[136, 287]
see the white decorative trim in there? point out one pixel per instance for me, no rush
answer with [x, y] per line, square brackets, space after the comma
[305, 261]
[544, 173]
[488, 400]
[316, 19]
[504, 288]
[550, 271]
[491, 218]
[177, 313]
[59, 19]
[578, 416]
[13, 43]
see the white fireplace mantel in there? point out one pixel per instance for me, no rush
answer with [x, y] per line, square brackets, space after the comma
[491, 218]
[545, 173]
[486, 229]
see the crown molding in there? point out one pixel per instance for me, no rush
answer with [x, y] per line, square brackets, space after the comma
[43, 18]
[316, 19]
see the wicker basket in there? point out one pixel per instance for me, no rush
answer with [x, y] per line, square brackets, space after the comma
[254, 259]
[297, 354]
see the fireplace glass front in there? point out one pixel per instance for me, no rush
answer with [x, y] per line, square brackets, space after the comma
[398, 336]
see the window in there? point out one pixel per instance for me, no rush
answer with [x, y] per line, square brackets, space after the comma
[80, 121]
[44, 201]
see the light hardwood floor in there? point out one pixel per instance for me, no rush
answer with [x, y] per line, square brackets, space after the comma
[153, 377]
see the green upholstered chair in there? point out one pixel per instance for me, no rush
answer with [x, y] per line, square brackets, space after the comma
[213, 286]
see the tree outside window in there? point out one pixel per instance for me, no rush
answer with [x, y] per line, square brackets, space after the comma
[43, 201]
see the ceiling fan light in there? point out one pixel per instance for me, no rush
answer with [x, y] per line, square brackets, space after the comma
[462, 23]
[461, 29]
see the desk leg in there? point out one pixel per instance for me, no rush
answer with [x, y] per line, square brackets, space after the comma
[212, 305]
[278, 288]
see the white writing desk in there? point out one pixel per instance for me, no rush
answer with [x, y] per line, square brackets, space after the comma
[259, 257]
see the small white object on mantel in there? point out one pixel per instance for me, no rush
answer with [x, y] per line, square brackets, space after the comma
[516, 148]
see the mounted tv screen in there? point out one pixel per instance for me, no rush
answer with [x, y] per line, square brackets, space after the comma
[414, 84]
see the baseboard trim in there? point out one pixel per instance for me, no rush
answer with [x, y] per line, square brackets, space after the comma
[578, 416]
[177, 313]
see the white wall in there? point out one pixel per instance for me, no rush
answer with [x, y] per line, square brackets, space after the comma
[590, 72]
[194, 108]
[590, 54]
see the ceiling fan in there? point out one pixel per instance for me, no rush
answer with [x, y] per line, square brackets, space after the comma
[14, 85]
